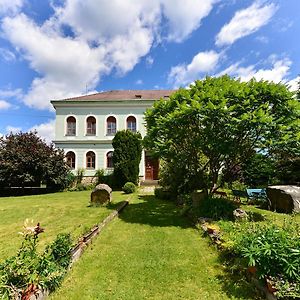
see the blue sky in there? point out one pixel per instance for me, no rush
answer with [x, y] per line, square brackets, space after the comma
[61, 48]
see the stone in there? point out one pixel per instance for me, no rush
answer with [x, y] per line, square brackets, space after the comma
[284, 198]
[198, 197]
[240, 215]
[101, 194]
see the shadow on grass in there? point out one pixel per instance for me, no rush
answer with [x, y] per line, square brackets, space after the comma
[154, 212]
[234, 280]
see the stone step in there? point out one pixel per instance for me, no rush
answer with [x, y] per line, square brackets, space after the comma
[149, 183]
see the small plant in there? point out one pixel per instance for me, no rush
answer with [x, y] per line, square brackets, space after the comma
[79, 175]
[100, 173]
[162, 193]
[28, 271]
[129, 188]
[217, 208]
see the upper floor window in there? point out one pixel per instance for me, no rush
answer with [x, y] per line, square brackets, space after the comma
[109, 159]
[90, 126]
[70, 157]
[90, 160]
[131, 123]
[71, 126]
[111, 123]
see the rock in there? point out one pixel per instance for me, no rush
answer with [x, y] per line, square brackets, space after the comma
[101, 194]
[240, 215]
[198, 197]
[284, 198]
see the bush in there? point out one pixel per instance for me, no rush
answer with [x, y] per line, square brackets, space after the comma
[28, 270]
[100, 174]
[127, 156]
[163, 194]
[274, 251]
[217, 208]
[129, 188]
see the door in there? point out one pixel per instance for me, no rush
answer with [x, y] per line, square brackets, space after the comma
[151, 167]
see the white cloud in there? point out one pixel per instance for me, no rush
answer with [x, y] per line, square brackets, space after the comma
[277, 73]
[107, 36]
[45, 130]
[10, 6]
[245, 22]
[4, 105]
[149, 61]
[202, 63]
[139, 82]
[9, 93]
[12, 129]
[185, 16]
[7, 55]
[294, 84]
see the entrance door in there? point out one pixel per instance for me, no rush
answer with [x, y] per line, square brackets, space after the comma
[151, 167]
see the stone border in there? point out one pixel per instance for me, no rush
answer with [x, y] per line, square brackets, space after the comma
[84, 241]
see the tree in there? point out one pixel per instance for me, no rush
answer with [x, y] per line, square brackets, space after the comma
[26, 160]
[218, 123]
[127, 156]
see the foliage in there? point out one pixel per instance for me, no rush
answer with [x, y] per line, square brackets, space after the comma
[274, 251]
[26, 160]
[79, 175]
[259, 171]
[29, 270]
[99, 174]
[163, 194]
[218, 123]
[288, 169]
[217, 208]
[129, 188]
[127, 156]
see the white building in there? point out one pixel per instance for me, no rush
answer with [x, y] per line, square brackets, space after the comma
[86, 125]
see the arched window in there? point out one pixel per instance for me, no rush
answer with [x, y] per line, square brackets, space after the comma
[90, 126]
[111, 123]
[131, 123]
[109, 159]
[90, 160]
[71, 126]
[70, 156]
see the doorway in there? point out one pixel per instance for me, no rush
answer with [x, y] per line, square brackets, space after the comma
[151, 168]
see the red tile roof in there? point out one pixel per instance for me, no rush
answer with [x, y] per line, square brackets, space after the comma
[124, 95]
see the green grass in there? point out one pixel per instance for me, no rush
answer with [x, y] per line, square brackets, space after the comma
[59, 212]
[151, 252]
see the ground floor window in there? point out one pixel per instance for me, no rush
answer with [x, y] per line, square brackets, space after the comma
[90, 160]
[109, 159]
[70, 157]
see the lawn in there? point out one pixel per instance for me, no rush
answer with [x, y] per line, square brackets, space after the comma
[59, 212]
[151, 252]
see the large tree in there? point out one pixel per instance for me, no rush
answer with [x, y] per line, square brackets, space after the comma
[26, 160]
[219, 123]
[127, 156]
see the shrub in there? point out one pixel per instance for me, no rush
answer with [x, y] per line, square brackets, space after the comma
[163, 194]
[79, 175]
[100, 173]
[28, 270]
[217, 208]
[129, 188]
[275, 252]
[127, 156]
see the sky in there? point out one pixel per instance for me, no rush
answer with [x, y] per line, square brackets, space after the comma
[54, 49]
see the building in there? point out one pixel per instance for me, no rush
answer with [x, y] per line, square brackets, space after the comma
[86, 125]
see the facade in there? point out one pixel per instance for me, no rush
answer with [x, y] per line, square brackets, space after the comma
[86, 125]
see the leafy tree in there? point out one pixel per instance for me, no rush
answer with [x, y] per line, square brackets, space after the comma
[218, 123]
[127, 156]
[26, 160]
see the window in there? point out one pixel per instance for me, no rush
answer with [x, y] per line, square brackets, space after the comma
[71, 126]
[90, 160]
[109, 159]
[70, 157]
[111, 125]
[90, 126]
[131, 124]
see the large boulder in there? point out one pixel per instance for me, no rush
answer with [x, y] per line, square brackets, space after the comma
[101, 194]
[284, 198]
